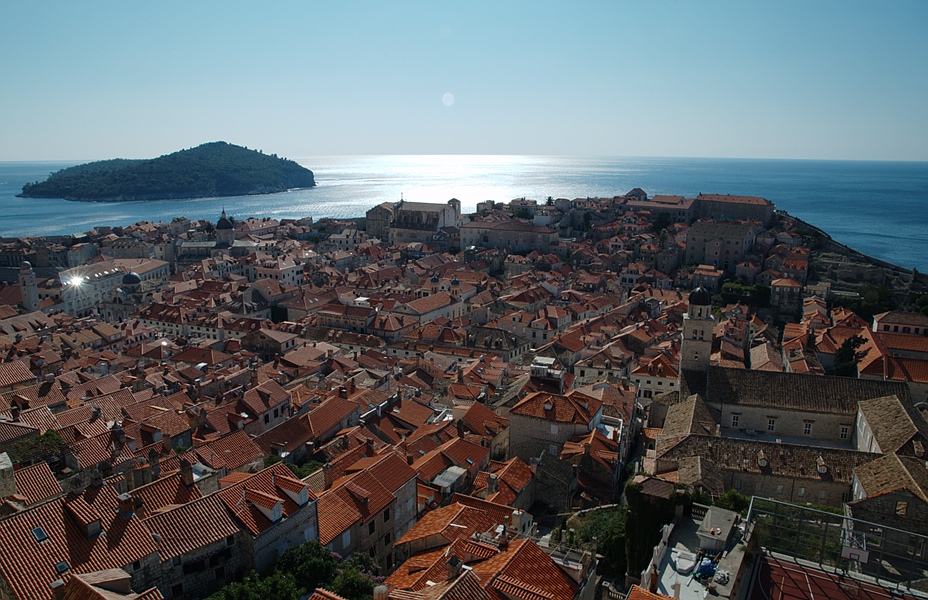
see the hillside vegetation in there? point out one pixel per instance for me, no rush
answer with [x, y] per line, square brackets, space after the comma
[209, 170]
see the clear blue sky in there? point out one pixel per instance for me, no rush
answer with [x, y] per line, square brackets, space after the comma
[842, 80]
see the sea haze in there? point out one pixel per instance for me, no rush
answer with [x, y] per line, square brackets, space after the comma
[878, 208]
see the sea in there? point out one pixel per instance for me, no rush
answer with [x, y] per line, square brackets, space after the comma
[876, 207]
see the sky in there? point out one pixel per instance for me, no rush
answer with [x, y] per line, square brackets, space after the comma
[746, 79]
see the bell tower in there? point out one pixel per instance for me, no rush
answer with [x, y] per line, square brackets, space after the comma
[698, 323]
[28, 287]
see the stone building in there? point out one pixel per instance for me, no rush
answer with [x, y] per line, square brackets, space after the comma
[378, 221]
[720, 244]
[725, 207]
[518, 236]
[786, 436]
[421, 221]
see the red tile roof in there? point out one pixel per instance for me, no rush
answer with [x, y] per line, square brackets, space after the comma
[260, 488]
[192, 526]
[30, 570]
[37, 483]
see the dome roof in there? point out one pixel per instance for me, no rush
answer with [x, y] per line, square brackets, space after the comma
[131, 279]
[224, 222]
[700, 297]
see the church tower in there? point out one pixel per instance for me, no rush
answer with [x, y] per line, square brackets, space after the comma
[225, 230]
[698, 324]
[28, 287]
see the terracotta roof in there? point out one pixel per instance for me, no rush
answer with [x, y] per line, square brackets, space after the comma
[233, 451]
[335, 516]
[30, 570]
[37, 483]
[364, 492]
[192, 526]
[165, 491]
[563, 409]
[326, 417]
[15, 373]
[450, 522]
[260, 488]
[524, 571]
[639, 593]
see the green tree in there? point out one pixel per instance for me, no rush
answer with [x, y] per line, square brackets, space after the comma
[363, 562]
[846, 356]
[310, 564]
[352, 585]
[279, 586]
[733, 500]
[661, 221]
[608, 527]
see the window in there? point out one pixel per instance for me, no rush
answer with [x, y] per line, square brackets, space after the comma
[386, 515]
[822, 496]
[386, 539]
[230, 540]
[552, 449]
[901, 508]
[807, 428]
[177, 590]
[758, 487]
[845, 497]
[267, 418]
[137, 565]
[801, 492]
[39, 534]
[553, 429]
[780, 490]
[734, 420]
[346, 538]
[771, 424]
[175, 561]
[370, 527]
[845, 432]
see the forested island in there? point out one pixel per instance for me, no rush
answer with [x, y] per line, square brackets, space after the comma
[209, 170]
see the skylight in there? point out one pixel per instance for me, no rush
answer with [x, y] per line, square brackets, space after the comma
[62, 568]
[39, 534]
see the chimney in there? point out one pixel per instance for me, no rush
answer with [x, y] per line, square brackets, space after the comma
[453, 567]
[186, 472]
[14, 412]
[154, 460]
[409, 458]
[343, 392]
[349, 387]
[126, 506]
[369, 444]
[492, 484]
[504, 536]
[460, 426]
[381, 592]
[58, 589]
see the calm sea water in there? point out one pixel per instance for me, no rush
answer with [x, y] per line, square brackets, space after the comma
[879, 208]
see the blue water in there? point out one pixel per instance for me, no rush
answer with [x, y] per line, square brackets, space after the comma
[879, 208]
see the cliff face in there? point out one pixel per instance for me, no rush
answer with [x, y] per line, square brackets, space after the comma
[209, 170]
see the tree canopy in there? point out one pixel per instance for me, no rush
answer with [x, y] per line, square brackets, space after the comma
[214, 169]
